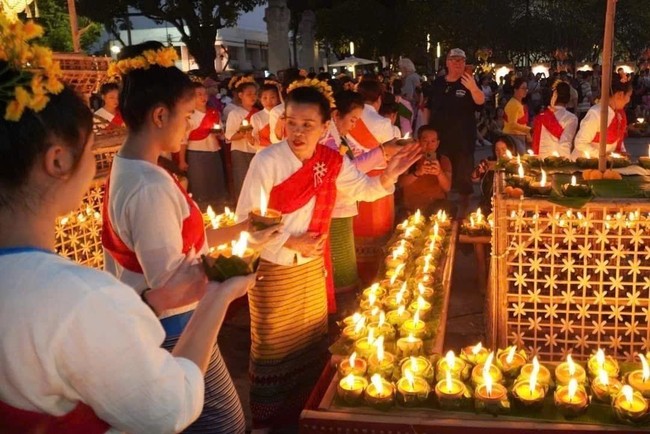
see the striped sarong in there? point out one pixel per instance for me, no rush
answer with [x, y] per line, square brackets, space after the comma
[344, 258]
[288, 308]
[222, 411]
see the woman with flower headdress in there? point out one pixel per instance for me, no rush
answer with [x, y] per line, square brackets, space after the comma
[269, 98]
[109, 113]
[276, 115]
[149, 221]
[289, 305]
[240, 132]
[79, 350]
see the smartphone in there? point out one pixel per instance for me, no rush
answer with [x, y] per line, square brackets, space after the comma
[431, 156]
[469, 69]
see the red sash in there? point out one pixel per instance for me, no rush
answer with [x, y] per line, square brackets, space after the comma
[616, 130]
[265, 136]
[317, 177]
[116, 122]
[81, 420]
[207, 124]
[251, 113]
[363, 136]
[548, 120]
[193, 232]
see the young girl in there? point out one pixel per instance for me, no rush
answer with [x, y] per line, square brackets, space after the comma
[109, 115]
[149, 221]
[289, 304]
[79, 350]
[269, 97]
[239, 133]
[201, 157]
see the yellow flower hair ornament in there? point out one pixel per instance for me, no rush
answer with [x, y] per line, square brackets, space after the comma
[165, 57]
[320, 86]
[242, 80]
[30, 74]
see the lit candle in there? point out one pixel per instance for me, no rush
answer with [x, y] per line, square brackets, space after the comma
[356, 331]
[425, 292]
[629, 405]
[380, 393]
[599, 362]
[422, 307]
[383, 328]
[644, 161]
[365, 346]
[487, 368]
[568, 370]
[571, 400]
[350, 389]
[375, 289]
[520, 171]
[395, 273]
[574, 189]
[264, 217]
[216, 127]
[450, 392]
[381, 362]
[542, 373]
[352, 319]
[509, 155]
[244, 123]
[419, 366]
[398, 316]
[605, 388]
[491, 397]
[226, 261]
[409, 346]
[510, 361]
[352, 365]
[474, 355]
[398, 256]
[452, 364]
[442, 220]
[639, 379]
[529, 392]
[555, 154]
[412, 390]
[414, 326]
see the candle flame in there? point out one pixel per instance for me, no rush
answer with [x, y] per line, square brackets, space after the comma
[416, 317]
[488, 364]
[532, 382]
[382, 318]
[450, 358]
[414, 363]
[352, 359]
[646, 369]
[359, 325]
[398, 297]
[600, 357]
[239, 247]
[263, 202]
[211, 213]
[520, 171]
[628, 392]
[244, 123]
[421, 288]
[471, 221]
[442, 216]
[401, 309]
[371, 335]
[530, 152]
[418, 215]
[411, 338]
[573, 388]
[615, 155]
[356, 318]
[448, 380]
[379, 343]
[376, 381]
[572, 366]
[477, 348]
[555, 154]
[488, 383]
[587, 154]
[421, 303]
[410, 378]
[371, 299]
[603, 377]
[508, 154]
[436, 229]
[349, 380]
[511, 354]
[542, 182]
[406, 136]
[573, 180]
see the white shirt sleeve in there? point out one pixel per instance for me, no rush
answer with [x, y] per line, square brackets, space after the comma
[233, 123]
[589, 126]
[359, 186]
[109, 353]
[566, 139]
[274, 115]
[385, 131]
[157, 240]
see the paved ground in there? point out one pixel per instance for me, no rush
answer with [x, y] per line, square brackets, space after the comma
[465, 322]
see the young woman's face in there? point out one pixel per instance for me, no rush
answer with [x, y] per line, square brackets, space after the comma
[346, 123]
[500, 149]
[429, 141]
[177, 124]
[521, 91]
[304, 128]
[248, 96]
[111, 100]
[269, 99]
[201, 97]
[621, 99]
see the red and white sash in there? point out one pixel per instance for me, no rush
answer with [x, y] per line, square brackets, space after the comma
[317, 177]
[363, 135]
[210, 118]
[547, 120]
[81, 420]
[265, 136]
[616, 130]
[193, 232]
[116, 122]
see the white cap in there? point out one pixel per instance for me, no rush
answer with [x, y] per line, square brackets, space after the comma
[456, 52]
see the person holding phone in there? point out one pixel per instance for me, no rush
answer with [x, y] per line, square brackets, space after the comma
[426, 184]
[452, 100]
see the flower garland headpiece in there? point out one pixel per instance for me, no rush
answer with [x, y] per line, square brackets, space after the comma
[165, 57]
[320, 86]
[242, 80]
[37, 74]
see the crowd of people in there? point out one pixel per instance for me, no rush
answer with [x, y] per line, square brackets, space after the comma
[134, 348]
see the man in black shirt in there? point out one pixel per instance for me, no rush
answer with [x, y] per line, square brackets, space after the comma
[453, 100]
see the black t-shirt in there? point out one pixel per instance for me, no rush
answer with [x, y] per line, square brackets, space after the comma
[452, 114]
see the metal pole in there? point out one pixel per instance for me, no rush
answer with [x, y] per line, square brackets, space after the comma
[74, 28]
[606, 82]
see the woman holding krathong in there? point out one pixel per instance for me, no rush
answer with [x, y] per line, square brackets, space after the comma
[79, 350]
[289, 304]
[149, 221]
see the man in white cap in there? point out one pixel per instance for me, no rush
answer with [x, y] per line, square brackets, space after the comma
[452, 101]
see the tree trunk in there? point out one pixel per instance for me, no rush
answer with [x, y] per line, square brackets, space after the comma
[202, 47]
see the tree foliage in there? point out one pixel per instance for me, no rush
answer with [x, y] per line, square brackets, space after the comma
[53, 16]
[196, 20]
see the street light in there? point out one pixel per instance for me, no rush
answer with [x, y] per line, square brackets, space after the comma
[428, 43]
[115, 49]
[351, 48]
